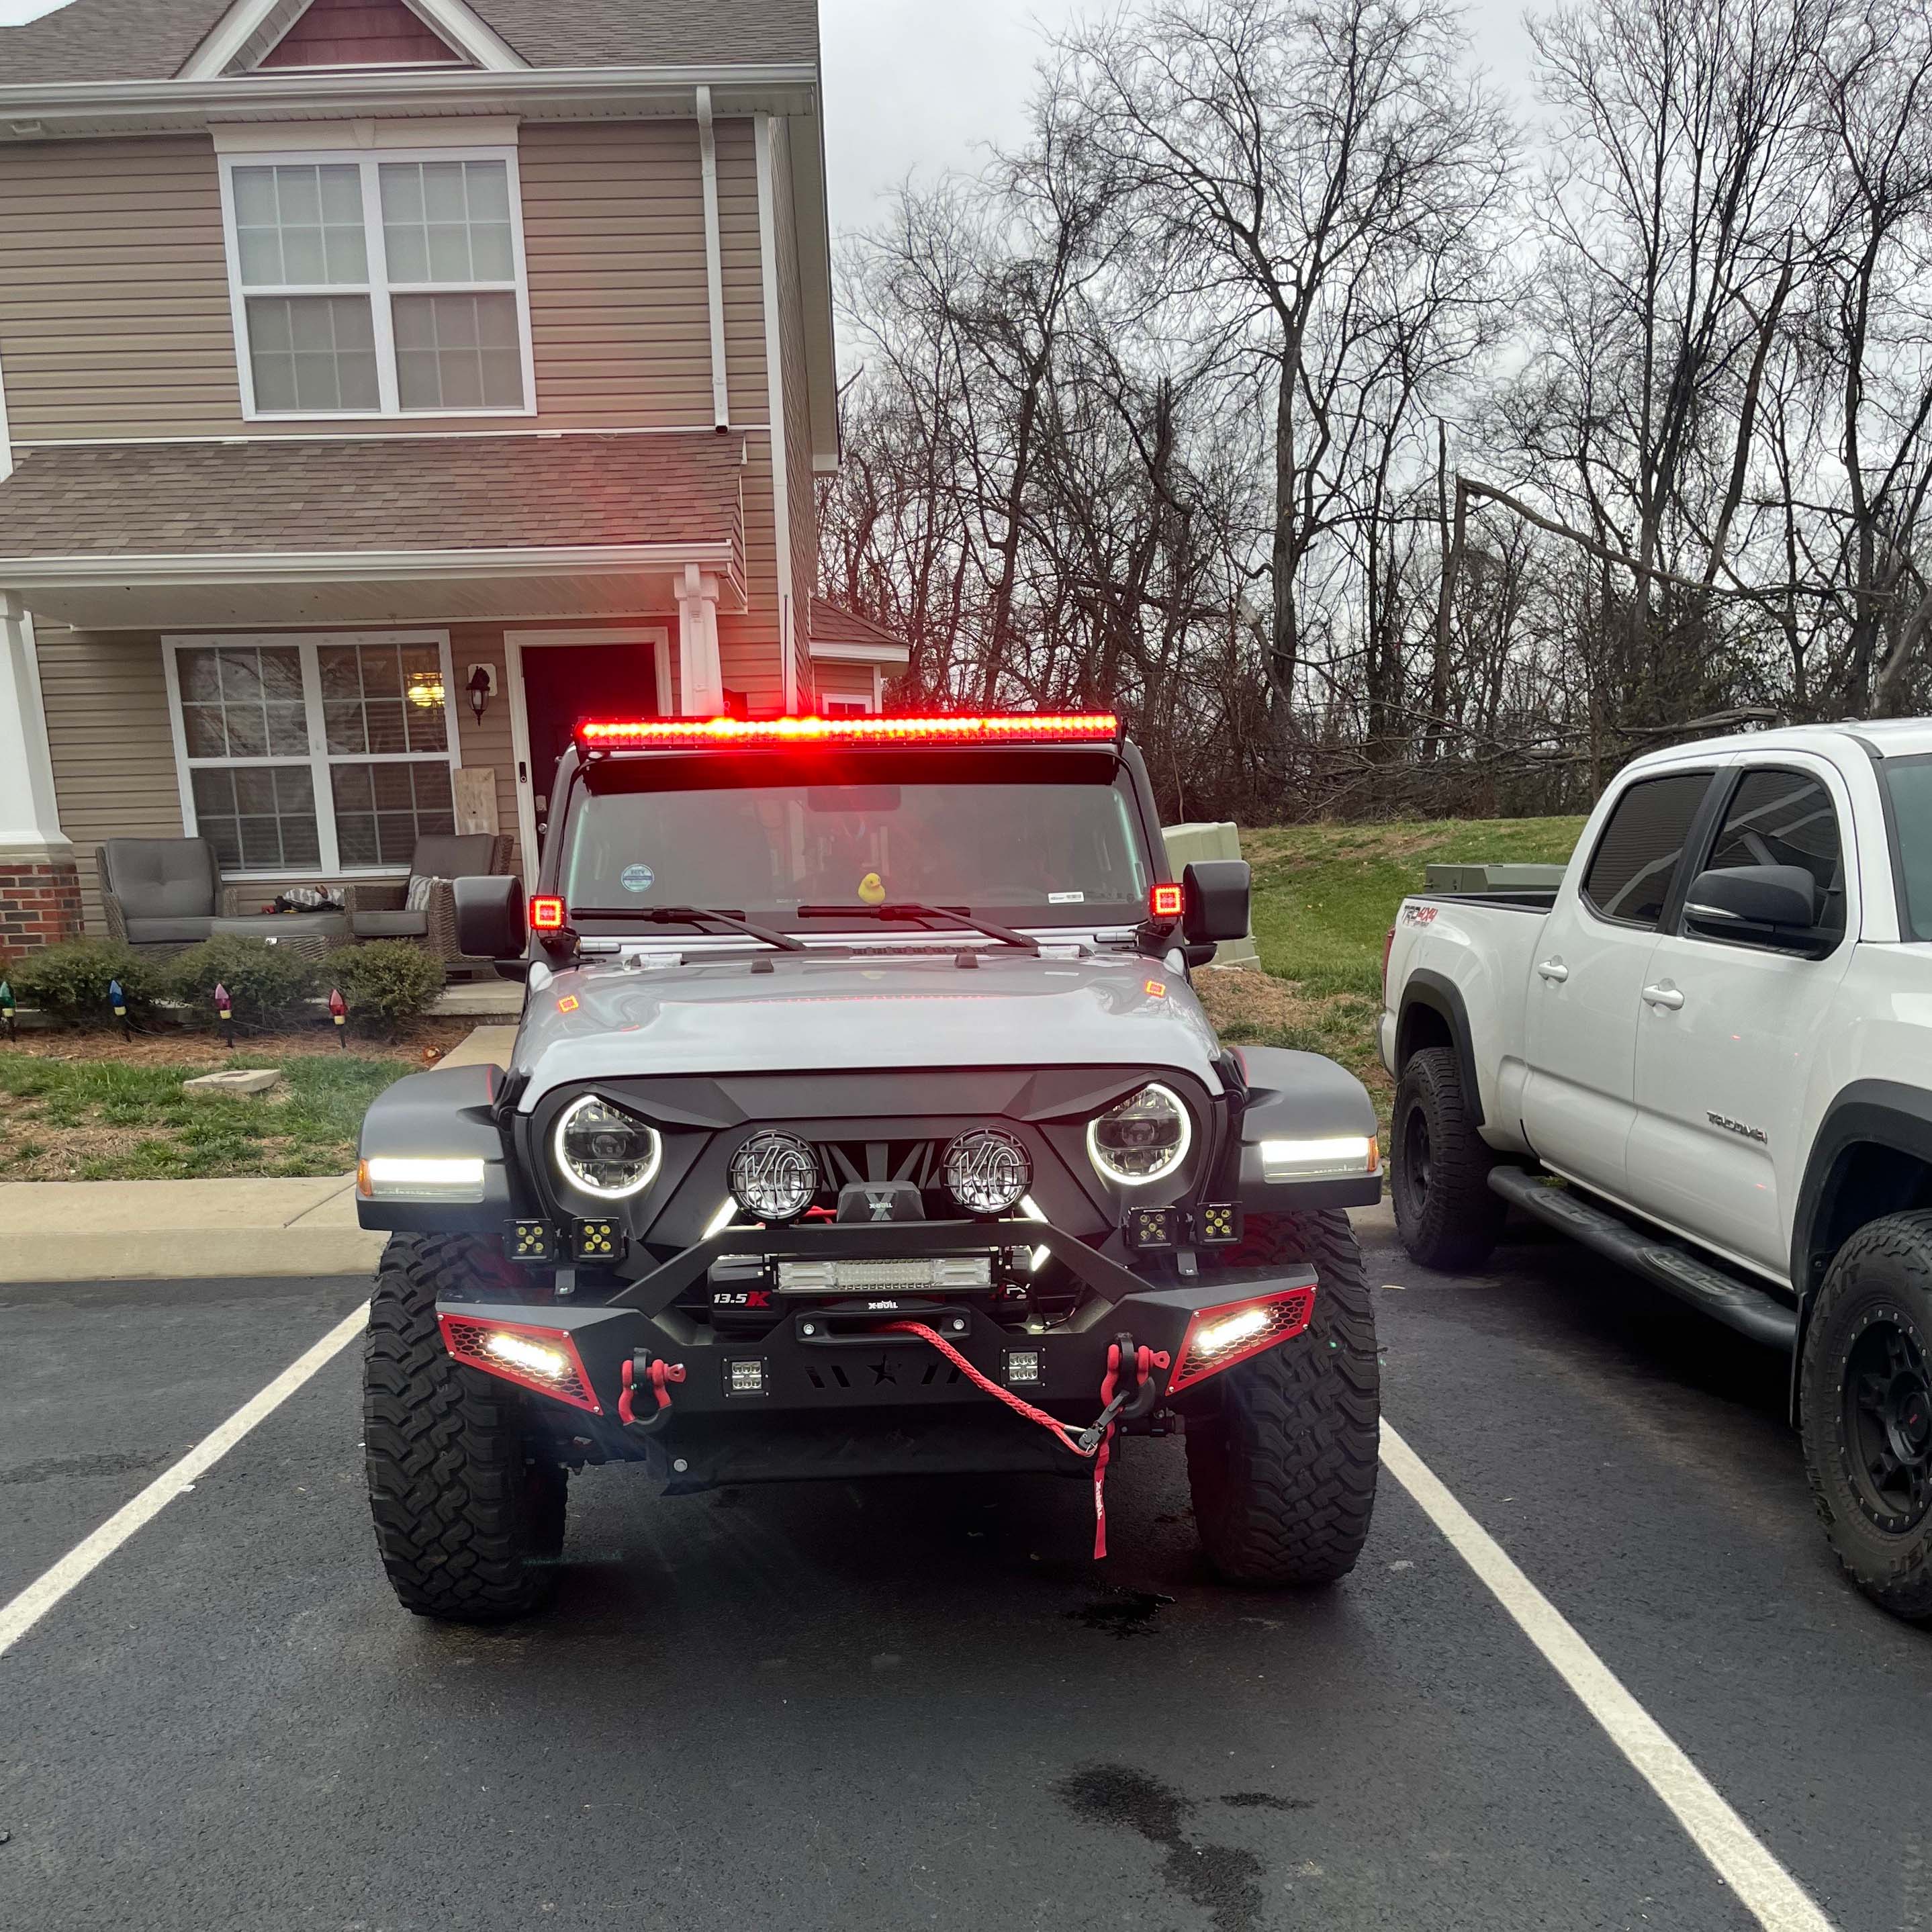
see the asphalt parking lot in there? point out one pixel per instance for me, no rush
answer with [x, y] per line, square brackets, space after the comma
[918, 1706]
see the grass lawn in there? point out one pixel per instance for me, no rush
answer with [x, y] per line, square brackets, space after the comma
[90, 1107]
[1325, 896]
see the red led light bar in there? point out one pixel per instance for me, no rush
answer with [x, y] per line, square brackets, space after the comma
[546, 915]
[618, 734]
[1282, 1315]
[1166, 901]
[468, 1342]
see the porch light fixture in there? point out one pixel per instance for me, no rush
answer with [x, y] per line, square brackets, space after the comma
[480, 687]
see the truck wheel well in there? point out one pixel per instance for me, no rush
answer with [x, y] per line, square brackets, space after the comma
[1422, 1028]
[1868, 1180]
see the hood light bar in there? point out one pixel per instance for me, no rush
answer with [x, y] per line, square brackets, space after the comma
[729, 733]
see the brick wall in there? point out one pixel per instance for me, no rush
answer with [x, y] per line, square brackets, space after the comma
[39, 904]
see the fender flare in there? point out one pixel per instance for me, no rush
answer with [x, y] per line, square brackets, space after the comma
[1868, 1113]
[1441, 995]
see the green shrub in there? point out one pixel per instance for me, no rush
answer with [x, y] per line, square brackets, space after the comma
[384, 982]
[68, 982]
[266, 984]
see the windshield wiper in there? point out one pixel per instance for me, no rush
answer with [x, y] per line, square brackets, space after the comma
[928, 914]
[697, 916]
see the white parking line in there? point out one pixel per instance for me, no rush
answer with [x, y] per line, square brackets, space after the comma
[1769, 1892]
[33, 1602]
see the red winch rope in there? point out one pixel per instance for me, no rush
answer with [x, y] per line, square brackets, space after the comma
[1146, 1360]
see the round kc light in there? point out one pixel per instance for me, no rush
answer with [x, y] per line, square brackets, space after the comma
[1141, 1139]
[774, 1177]
[987, 1170]
[605, 1150]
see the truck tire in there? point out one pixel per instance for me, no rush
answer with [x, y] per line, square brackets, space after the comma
[1865, 1410]
[1283, 1472]
[1445, 1212]
[468, 1519]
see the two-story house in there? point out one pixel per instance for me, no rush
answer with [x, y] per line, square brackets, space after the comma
[383, 384]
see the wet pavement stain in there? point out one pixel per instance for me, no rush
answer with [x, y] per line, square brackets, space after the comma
[1125, 1612]
[1223, 1880]
[1265, 1800]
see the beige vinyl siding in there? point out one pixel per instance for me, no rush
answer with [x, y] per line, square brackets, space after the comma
[114, 317]
[801, 489]
[487, 744]
[107, 701]
[114, 306]
[833, 679]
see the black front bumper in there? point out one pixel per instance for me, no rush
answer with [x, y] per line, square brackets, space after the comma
[843, 1392]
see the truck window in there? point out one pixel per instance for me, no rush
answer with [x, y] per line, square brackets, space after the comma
[1636, 859]
[1908, 785]
[1785, 818]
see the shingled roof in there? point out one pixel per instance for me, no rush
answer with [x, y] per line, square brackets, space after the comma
[273, 495]
[833, 625]
[150, 40]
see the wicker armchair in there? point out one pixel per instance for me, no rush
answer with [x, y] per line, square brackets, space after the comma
[380, 910]
[159, 895]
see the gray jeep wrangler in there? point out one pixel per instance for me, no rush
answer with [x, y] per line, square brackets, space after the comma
[862, 1120]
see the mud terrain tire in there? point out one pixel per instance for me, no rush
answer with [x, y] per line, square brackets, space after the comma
[1283, 1472]
[469, 1518]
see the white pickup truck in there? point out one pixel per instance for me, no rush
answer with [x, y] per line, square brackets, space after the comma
[1708, 1054]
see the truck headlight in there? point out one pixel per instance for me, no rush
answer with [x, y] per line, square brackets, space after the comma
[605, 1151]
[1142, 1139]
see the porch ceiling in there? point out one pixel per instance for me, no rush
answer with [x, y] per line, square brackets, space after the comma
[371, 529]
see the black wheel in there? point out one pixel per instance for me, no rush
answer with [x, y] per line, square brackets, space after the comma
[1865, 1409]
[1283, 1469]
[469, 1515]
[1445, 1212]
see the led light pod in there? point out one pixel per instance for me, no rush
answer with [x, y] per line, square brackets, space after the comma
[987, 1170]
[774, 1177]
[1219, 1337]
[534, 1357]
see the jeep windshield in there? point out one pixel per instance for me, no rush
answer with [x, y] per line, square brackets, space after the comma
[1037, 840]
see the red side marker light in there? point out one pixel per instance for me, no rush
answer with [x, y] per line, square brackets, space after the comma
[543, 1359]
[1165, 902]
[1219, 1337]
[619, 734]
[568, 1003]
[546, 915]
[1155, 989]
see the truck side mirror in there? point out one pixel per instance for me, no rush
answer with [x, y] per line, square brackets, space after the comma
[1214, 901]
[490, 918]
[1752, 902]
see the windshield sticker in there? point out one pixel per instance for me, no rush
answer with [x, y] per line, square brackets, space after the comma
[1066, 898]
[638, 878]
[872, 888]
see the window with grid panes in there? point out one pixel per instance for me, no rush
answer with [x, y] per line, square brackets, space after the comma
[379, 285]
[317, 754]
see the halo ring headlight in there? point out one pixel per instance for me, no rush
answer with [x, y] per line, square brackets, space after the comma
[1142, 1139]
[602, 1150]
[774, 1176]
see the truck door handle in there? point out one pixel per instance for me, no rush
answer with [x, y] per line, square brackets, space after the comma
[1664, 996]
[1552, 969]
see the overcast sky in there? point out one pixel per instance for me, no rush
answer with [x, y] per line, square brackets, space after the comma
[923, 85]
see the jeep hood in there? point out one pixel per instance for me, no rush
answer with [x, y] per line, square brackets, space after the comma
[810, 1014]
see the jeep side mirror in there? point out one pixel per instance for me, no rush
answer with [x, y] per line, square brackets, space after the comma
[1752, 902]
[1214, 901]
[490, 918]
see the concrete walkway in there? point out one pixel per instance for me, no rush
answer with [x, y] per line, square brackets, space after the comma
[196, 1230]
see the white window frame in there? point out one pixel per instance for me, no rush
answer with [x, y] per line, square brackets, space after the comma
[319, 758]
[378, 288]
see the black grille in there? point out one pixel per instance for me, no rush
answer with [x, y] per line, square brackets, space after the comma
[920, 1162]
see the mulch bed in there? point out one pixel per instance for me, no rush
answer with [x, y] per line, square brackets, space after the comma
[417, 1041]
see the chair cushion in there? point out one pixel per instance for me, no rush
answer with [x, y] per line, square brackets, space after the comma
[452, 855]
[391, 924]
[162, 878]
[421, 889]
[168, 931]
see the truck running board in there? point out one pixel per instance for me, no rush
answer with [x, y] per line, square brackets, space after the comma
[1672, 1266]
